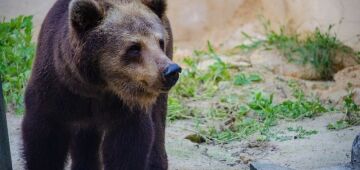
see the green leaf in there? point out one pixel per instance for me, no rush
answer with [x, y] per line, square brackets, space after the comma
[16, 55]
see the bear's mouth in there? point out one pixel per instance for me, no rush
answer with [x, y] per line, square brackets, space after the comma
[157, 88]
[165, 89]
[137, 95]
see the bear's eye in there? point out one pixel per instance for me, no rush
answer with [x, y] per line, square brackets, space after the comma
[134, 50]
[162, 44]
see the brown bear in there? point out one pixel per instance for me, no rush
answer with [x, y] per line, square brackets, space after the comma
[98, 88]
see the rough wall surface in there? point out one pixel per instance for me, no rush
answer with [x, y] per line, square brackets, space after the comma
[196, 21]
[306, 15]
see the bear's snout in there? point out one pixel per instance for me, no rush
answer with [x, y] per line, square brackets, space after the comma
[171, 75]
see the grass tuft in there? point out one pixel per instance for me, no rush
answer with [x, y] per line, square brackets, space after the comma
[243, 79]
[318, 48]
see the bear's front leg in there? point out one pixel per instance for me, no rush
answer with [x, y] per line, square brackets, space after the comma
[45, 143]
[84, 149]
[127, 144]
[158, 158]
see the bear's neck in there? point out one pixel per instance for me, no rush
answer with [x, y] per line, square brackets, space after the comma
[67, 72]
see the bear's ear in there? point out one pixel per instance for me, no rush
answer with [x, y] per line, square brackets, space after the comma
[157, 6]
[85, 15]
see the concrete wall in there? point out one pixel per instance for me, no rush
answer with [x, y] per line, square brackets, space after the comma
[305, 15]
[196, 21]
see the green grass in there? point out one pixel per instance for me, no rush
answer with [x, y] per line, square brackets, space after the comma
[352, 111]
[177, 110]
[243, 79]
[195, 83]
[264, 115]
[202, 83]
[318, 48]
[228, 117]
[338, 125]
[301, 106]
[16, 55]
[302, 133]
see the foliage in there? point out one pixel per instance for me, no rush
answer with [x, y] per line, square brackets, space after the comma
[16, 55]
[301, 106]
[301, 133]
[230, 118]
[188, 81]
[238, 125]
[247, 47]
[243, 79]
[218, 71]
[177, 110]
[239, 130]
[352, 111]
[297, 108]
[318, 48]
[338, 125]
[350, 107]
[202, 83]
[227, 117]
[263, 106]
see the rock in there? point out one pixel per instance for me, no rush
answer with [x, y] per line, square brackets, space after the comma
[275, 62]
[343, 60]
[268, 59]
[338, 167]
[343, 78]
[245, 158]
[234, 62]
[266, 166]
[349, 75]
[355, 153]
[195, 138]
[356, 96]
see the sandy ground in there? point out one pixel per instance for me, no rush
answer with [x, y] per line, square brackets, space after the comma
[327, 148]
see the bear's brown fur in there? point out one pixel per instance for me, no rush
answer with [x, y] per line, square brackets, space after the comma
[100, 78]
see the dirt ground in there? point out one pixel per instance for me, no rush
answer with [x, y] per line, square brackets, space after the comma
[322, 150]
[327, 148]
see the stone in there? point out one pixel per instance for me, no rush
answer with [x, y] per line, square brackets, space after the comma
[275, 62]
[338, 167]
[266, 166]
[245, 158]
[355, 153]
[344, 78]
[349, 75]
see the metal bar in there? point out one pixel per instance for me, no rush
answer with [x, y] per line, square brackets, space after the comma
[5, 156]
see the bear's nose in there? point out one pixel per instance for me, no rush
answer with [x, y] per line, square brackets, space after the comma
[171, 74]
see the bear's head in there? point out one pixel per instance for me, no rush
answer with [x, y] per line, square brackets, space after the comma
[120, 46]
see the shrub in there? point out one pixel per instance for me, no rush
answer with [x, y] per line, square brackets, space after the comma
[16, 55]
